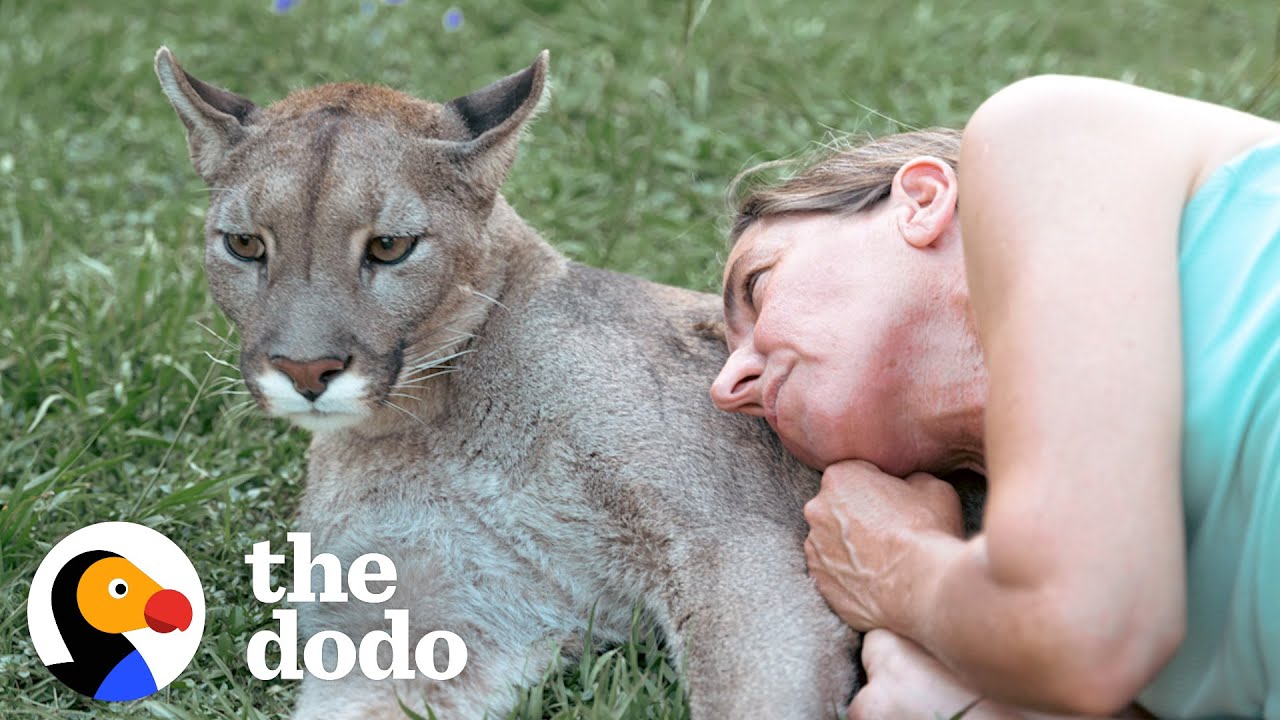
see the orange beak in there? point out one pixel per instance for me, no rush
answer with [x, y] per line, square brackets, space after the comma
[168, 610]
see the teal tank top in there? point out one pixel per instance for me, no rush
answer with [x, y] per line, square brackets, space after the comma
[1229, 262]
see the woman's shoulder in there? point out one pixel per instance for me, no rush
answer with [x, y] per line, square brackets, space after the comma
[1126, 123]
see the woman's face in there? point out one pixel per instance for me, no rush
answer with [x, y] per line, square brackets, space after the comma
[820, 325]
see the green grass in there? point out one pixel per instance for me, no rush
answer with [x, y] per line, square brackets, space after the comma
[110, 406]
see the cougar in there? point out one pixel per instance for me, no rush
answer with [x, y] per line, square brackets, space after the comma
[530, 440]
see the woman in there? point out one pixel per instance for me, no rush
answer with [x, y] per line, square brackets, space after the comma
[1095, 325]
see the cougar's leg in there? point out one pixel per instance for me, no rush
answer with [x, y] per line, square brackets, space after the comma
[756, 638]
[488, 685]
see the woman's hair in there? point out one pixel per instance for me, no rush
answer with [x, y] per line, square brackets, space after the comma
[849, 178]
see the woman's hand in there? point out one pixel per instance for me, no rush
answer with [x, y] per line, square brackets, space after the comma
[865, 531]
[903, 681]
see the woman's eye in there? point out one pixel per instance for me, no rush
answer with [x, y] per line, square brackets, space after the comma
[389, 250]
[749, 289]
[248, 248]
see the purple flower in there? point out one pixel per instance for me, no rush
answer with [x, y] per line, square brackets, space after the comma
[452, 19]
[283, 6]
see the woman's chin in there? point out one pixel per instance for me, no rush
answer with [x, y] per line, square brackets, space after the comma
[803, 451]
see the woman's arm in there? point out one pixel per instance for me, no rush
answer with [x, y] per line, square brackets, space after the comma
[903, 681]
[1071, 194]
[1071, 191]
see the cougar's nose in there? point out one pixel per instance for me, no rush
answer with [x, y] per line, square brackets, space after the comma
[311, 377]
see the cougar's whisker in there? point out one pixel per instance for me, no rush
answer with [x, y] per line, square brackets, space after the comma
[211, 331]
[434, 363]
[424, 358]
[458, 336]
[415, 385]
[414, 373]
[239, 410]
[419, 380]
[486, 297]
[206, 190]
[220, 361]
[390, 404]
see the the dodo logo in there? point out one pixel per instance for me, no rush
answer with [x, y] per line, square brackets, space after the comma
[116, 611]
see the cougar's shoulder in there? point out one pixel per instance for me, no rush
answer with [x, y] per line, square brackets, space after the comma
[623, 364]
[680, 330]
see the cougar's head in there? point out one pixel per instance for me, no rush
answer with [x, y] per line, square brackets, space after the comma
[347, 232]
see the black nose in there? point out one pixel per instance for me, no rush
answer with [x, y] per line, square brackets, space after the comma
[311, 377]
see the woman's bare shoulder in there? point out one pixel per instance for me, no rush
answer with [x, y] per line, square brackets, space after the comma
[1170, 133]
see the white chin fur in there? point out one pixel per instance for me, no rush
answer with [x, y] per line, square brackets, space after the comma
[339, 406]
[318, 422]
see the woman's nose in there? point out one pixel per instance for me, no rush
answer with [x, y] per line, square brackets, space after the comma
[737, 387]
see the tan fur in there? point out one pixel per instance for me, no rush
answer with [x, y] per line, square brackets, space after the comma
[571, 460]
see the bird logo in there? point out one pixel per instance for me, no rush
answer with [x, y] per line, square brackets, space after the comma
[116, 611]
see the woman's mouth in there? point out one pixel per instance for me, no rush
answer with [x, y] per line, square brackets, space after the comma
[770, 400]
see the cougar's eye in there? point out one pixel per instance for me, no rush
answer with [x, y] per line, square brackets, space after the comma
[248, 248]
[388, 250]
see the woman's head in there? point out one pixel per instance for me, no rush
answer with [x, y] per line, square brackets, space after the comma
[846, 307]
[848, 179]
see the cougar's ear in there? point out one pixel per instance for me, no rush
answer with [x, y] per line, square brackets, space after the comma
[494, 118]
[216, 119]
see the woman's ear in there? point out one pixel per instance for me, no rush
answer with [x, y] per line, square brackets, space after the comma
[926, 189]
